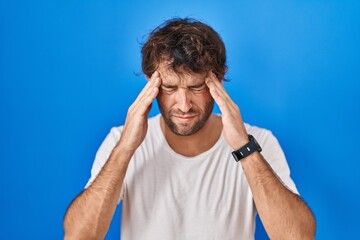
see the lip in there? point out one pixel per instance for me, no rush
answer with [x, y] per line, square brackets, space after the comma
[184, 118]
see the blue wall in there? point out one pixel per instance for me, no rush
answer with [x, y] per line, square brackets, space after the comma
[67, 75]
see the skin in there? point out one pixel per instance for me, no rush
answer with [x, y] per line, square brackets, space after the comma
[186, 105]
[283, 213]
[185, 100]
[90, 214]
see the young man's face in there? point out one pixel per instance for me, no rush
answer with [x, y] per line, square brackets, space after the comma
[184, 101]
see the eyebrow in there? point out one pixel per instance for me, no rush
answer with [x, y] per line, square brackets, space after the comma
[190, 86]
[168, 85]
[197, 85]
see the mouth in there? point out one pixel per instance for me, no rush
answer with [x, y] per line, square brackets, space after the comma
[184, 118]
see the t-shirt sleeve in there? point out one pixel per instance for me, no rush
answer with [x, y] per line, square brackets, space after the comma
[103, 154]
[274, 155]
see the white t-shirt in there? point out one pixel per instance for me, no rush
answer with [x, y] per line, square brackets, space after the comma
[207, 197]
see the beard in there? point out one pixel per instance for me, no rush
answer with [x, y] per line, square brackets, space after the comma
[187, 129]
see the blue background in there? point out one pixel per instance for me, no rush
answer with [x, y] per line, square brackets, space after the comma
[68, 74]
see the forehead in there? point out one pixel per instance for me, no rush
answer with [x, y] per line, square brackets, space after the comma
[180, 77]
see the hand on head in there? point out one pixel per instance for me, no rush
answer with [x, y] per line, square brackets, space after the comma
[135, 127]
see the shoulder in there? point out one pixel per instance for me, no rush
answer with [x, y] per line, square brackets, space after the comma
[262, 135]
[273, 154]
[114, 134]
[268, 142]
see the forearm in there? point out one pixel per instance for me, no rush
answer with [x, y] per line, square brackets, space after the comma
[283, 213]
[89, 215]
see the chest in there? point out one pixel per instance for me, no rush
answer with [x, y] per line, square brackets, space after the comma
[205, 189]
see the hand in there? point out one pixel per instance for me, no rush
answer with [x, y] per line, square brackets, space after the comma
[136, 123]
[233, 125]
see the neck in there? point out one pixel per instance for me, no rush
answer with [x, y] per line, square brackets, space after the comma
[197, 143]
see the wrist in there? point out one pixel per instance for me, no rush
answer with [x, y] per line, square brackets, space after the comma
[247, 149]
[123, 152]
[238, 137]
[240, 142]
[125, 145]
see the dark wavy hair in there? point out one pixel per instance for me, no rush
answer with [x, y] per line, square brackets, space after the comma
[185, 44]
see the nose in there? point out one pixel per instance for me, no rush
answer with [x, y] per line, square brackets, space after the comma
[183, 100]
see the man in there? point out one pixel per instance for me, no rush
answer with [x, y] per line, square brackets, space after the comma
[175, 173]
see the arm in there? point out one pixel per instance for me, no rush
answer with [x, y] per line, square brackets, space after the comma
[283, 213]
[90, 214]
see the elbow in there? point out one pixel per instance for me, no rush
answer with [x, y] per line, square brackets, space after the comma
[311, 227]
[69, 230]
[74, 231]
[68, 235]
[303, 228]
[306, 230]
[76, 234]
[306, 224]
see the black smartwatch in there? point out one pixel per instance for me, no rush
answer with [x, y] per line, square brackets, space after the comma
[246, 150]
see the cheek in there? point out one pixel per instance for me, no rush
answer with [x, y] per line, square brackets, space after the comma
[163, 99]
[206, 97]
[207, 94]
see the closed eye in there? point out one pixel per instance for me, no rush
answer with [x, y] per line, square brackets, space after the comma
[168, 89]
[198, 88]
[194, 89]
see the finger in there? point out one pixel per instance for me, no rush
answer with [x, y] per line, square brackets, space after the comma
[223, 100]
[219, 86]
[154, 84]
[154, 81]
[217, 97]
[147, 95]
[215, 91]
[145, 105]
[151, 82]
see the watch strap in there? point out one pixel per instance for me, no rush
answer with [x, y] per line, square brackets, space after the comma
[249, 148]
